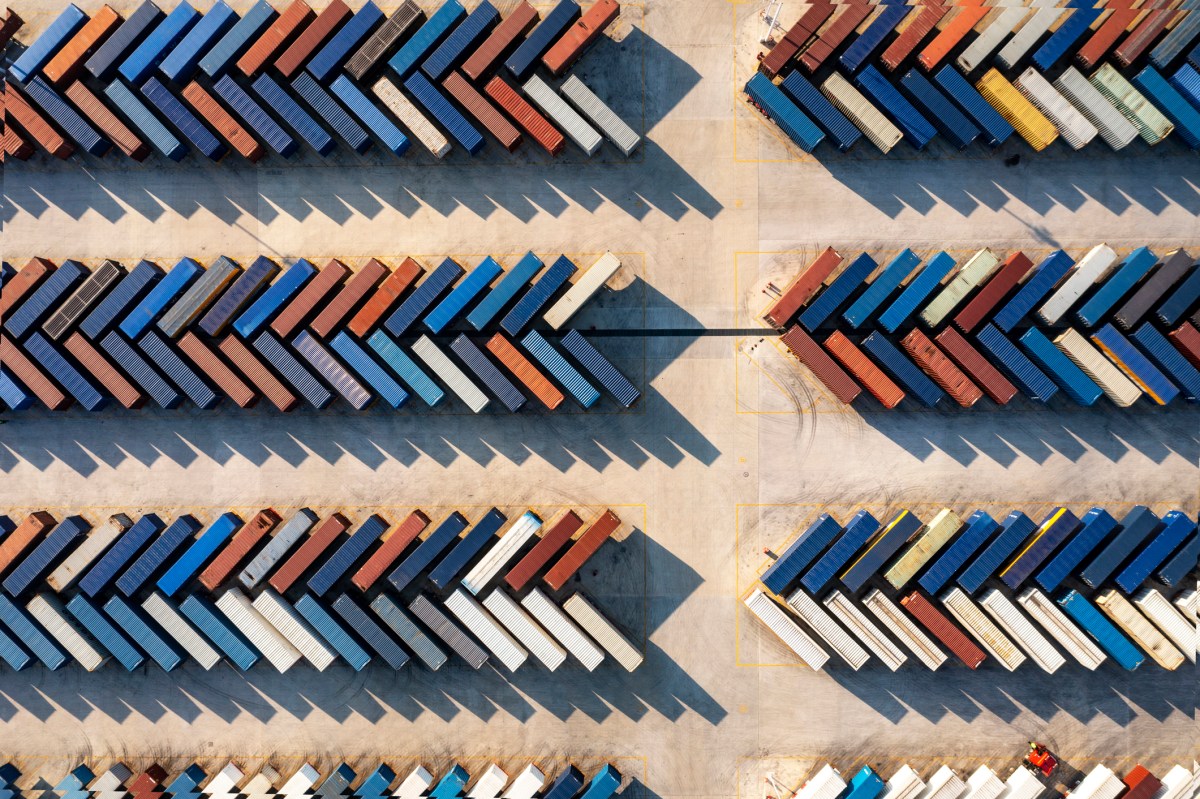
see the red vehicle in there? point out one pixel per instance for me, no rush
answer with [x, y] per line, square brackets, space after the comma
[1040, 759]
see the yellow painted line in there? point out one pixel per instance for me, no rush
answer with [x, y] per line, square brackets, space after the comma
[1041, 532]
[879, 536]
[1112, 356]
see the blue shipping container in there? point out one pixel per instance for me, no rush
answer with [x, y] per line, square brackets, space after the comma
[1176, 528]
[454, 123]
[880, 549]
[950, 122]
[1185, 116]
[916, 292]
[1096, 524]
[524, 59]
[426, 38]
[566, 374]
[329, 59]
[1181, 564]
[119, 554]
[487, 373]
[296, 117]
[1049, 272]
[599, 367]
[138, 66]
[131, 287]
[1053, 530]
[1101, 629]
[769, 99]
[180, 64]
[353, 548]
[198, 554]
[103, 631]
[333, 114]
[483, 532]
[538, 295]
[365, 366]
[163, 547]
[857, 533]
[62, 280]
[912, 124]
[1130, 360]
[312, 350]
[237, 295]
[1015, 528]
[263, 309]
[144, 121]
[334, 634]
[886, 282]
[1136, 527]
[800, 553]
[11, 394]
[565, 785]
[104, 62]
[135, 625]
[67, 375]
[841, 130]
[43, 48]
[286, 364]
[255, 117]
[141, 371]
[30, 635]
[463, 294]
[467, 36]
[1180, 300]
[370, 632]
[867, 42]
[238, 39]
[979, 528]
[182, 375]
[995, 129]
[432, 287]
[1117, 285]
[1062, 369]
[1169, 359]
[42, 558]
[386, 131]
[67, 118]
[604, 784]
[834, 295]
[184, 120]
[1077, 23]
[404, 368]
[1030, 379]
[898, 365]
[213, 624]
[512, 282]
[427, 551]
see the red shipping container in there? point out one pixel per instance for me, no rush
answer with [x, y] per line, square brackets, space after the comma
[1186, 339]
[18, 109]
[226, 126]
[275, 38]
[70, 58]
[12, 23]
[809, 353]
[215, 369]
[518, 23]
[344, 302]
[525, 115]
[113, 381]
[14, 290]
[880, 386]
[313, 37]
[483, 111]
[949, 36]
[32, 377]
[577, 38]
[238, 548]
[941, 369]
[14, 145]
[317, 542]
[15, 543]
[1141, 783]
[583, 548]
[962, 352]
[996, 289]
[1143, 36]
[921, 22]
[525, 371]
[117, 131]
[147, 783]
[392, 547]
[258, 374]
[796, 37]
[936, 623]
[547, 547]
[388, 293]
[802, 287]
[312, 295]
[851, 17]
[1100, 42]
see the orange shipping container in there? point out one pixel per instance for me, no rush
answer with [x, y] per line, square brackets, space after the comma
[317, 542]
[882, 387]
[583, 548]
[112, 127]
[313, 37]
[964, 21]
[389, 291]
[113, 381]
[17, 108]
[525, 371]
[15, 289]
[309, 297]
[32, 377]
[392, 547]
[238, 548]
[345, 300]
[215, 369]
[20, 539]
[258, 374]
[526, 116]
[226, 126]
[70, 58]
[572, 44]
[547, 547]
[934, 363]
[922, 22]
[802, 287]
[518, 23]
[478, 106]
[275, 38]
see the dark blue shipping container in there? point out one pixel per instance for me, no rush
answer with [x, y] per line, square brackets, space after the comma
[129, 290]
[599, 367]
[182, 375]
[483, 532]
[329, 59]
[370, 632]
[103, 63]
[800, 553]
[524, 59]
[1030, 379]
[386, 131]
[243, 290]
[562, 370]
[12, 653]
[783, 112]
[144, 568]
[62, 280]
[886, 282]
[837, 293]
[64, 115]
[949, 121]
[141, 371]
[30, 635]
[341, 561]
[357, 358]
[184, 120]
[1135, 267]
[202, 613]
[103, 631]
[857, 533]
[427, 551]
[11, 394]
[1174, 42]
[898, 365]
[198, 554]
[270, 301]
[49, 550]
[538, 295]
[1062, 369]
[188, 782]
[463, 294]
[912, 124]
[994, 127]
[238, 39]
[1135, 365]
[140, 64]
[1096, 526]
[487, 373]
[1015, 528]
[883, 546]
[916, 292]
[404, 367]
[57, 33]
[1101, 629]
[180, 64]
[1185, 116]
[333, 114]
[137, 627]
[1054, 529]
[453, 122]
[119, 554]
[255, 117]
[1138, 525]
[1169, 359]
[1179, 301]
[1186, 81]
[426, 38]
[423, 297]
[565, 785]
[333, 632]
[144, 121]
[296, 117]
[286, 364]
[512, 282]
[1074, 26]
[1181, 564]
[467, 36]
[854, 56]
[979, 528]
[65, 373]
[312, 350]
[1176, 528]
[1049, 272]
[841, 130]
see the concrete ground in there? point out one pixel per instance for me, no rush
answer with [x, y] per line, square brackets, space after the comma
[711, 208]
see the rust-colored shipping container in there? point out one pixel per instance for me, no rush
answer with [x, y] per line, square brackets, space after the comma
[1143, 35]
[872, 378]
[922, 22]
[851, 17]
[12, 23]
[522, 369]
[147, 783]
[996, 289]
[17, 108]
[317, 542]
[257, 372]
[547, 547]
[15, 543]
[532, 122]
[810, 353]
[345, 301]
[109, 124]
[215, 369]
[1141, 783]
[238, 548]
[936, 623]
[394, 544]
[99, 366]
[223, 122]
[972, 362]
[478, 106]
[388, 293]
[32, 377]
[276, 37]
[941, 369]
[584, 547]
[575, 41]
[1186, 339]
[797, 36]
[963, 22]
[311, 38]
[1100, 42]
[312, 295]
[802, 287]
[70, 58]
[14, 145]
[518, 23]
[14, 290]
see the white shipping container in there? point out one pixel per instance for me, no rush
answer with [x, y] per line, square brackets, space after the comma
[904, 629]
[1012, 621]
[1076, 130]
[266, 639]
[490, 783]
[1179, 783]
[51, 614]
[991, 36]
[485, 628]
[906, 783]
[600, 115]
[1163, 614]
[110, 781]
[984, 784]
[823, 625]
[1061, 629]
[415, 784]
[1187, 604]
[262, 784]
[292, 626]
[582, 290]
[1100, 783]
[1112, 381]
[859, 110]
[408, 114]
[167, 617]
[1092, 267]
[842, 607]
[412, 636]
[563, 629]
[92, 547]
[1028, 36]
[944, 784]
[1143, 633]
[981, 628]
[525, 629]
[1153, 126]
[450, 374]
[1022, 784]
[224, 784]
[826, 784]
[299, 783]
[778, 622]
[527, 783]
[501, 552]
[279, 545]
[1114, 128]
[975, 271]
[567, 117]
[603, 631]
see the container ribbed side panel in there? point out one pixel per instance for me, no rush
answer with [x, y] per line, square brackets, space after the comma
[603, 631]
[564, 630]
[778, 622]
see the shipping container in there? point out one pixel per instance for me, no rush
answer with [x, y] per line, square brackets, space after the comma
[228, 638]
[1061, 629]
[982, 47]
[904, 629]
[1120, 389]
[1141, 631]
[1033, 126]
[144, 121]
[936, 623]
[181, 631]
[139, 65]
[494, 638]
[426, 38]
[919, 24]
[826, 304]
[445, 573]
[1136, 266]
[415, 785]
[296, 117]
[501, 552]
[880, 288]
[234, 42]
[483, 111]
[944, 784]
[981, 628]
[915, 293]
[1031, 31]
[13, 395]
[833, 35]
[313, 351]
[827, 783]
[129, 290]
[1112, 126]
[1085, 614]
[827, 629]
[52, 616]
[110, 54]
[488, 374]
[392, 546]
[1092, 268]
[1182, 114]
[863, 370]
[592, 280]
[468, 33]
[963, 22]
[121, 553]
[603, 631]
[181, 62]
[599, 367]
[566, 632]
[554, 107]
[1152, 126]
[31, 637]
[258, 374]
[1183, 297]
[390, 136]
[58, 33]
[185, 566]
[31, 376]
[512, 282]
[330, 58]
[1066, 35]
[375, 376]
[280, 544]
[1147, 30]
[312, 36]
[89, 292]
[549, 545]
[1186, 339]
[135, 624]
[332, 633]
[979, 528]
[403, 109]
[262, 309]
[926, 355]
[103, 632]
[903, 370]
[182, 375]
[600, 115]
[451, 307]
[449, 632]
[1175, 530]
[45, 555]
[72, 568]
[1177, 265]
[241, 292]
[853, 619]
[931, 539]
[1078, 386]
[228, 128]
[880, 549]
[1134, 365]
[450, 374]
[14, 289]
[1096, 525]
[1178, 38]
[1160, 351]
[1013, 622]
[607, 780]
[76, 385]
[1179, 630]
[238, 548]
[1181, 564]
[103, 370]
[849, 101]
[566, 374]
[948, 120]
[1139, 784]
[525, 57]
[277, 650]
[400, 623]
[991, 123]
[904, 784]
[65, 117]
[18, 540]
[1032, 381]
[978, 268]
[915, 127]
[282, 30]
[404, 367]
[425, 295]
[576, 39]
[1074, 126]
[297, 375]
[1015, 529]
[313, 547]
[528, 374]
[335, 309]
[188, 308]
[370, 632]
[385, 295]
[1106, 35]
[63, 280]
[381, 42]
[525, 115]
[515, 26]
[856, 534]
[842, 131]
[1054, 529]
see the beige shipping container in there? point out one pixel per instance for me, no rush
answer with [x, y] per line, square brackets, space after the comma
[1143, 633]
[936, 535]
[865, 116]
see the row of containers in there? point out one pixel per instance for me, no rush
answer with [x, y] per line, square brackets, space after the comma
[110, 337]
[947, 334]
[1080, 71]
[269, 81]
[194, 782]
[1094, 587]
[1101, 782]
[309, 589]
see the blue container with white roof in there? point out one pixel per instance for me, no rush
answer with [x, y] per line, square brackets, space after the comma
[538, 295]
[427, 37]
[312, 350]
[179, 372]
[1135, 365]
[1096, 525]
[286, 364]
[454, 123]
[198, 554]
[119, 554]
[867, 42]
[1063, 370]
[834, 295]
[180, 64]
[445, 312]
[140, 370]
[1169, 359]
[62, 280]
[995, 128]
[144, 121]
[503, 292]
[783, 112]
[48, 551]
[800, 553]
[465, 37]
[524, 59]
[405, 368]
[415, 305]
[353, 548]
[950, 122]
[444, 574]
[428, 550]
[30, 635]
[156, 554]
[1101, 629]
[916, 292]
[1176, 528]
[558, 366]
[386, 131]
[103, 631]
[184, 120]
[860, 529]
[905, 372]
[842, 131]
[67, 118]
[916, 128]
[1138, 525]
[979, 528]
[57, 33]
[255, 117]
[887, 281]
[78, 386]
[370, 632]
[330, 58]
[1053, 268]
[235, 646]
[263, 309]
[126, 292]
[599, 367]
[1030, 379]
[1016, 528]
[140, 65]
[359, 361]
[238, 39]
[1135, 267]
[332, 631]
[486, 371]
[135, 624]
[296, 117]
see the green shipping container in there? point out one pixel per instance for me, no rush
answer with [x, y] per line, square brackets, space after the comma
[1152, 125]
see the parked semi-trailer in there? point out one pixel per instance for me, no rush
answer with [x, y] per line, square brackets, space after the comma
[853, 619]
[905, 630]
[812, 614]
[1085, 614]
[1142, 632]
